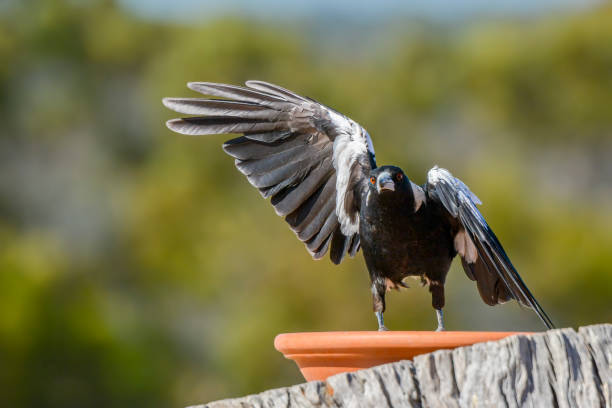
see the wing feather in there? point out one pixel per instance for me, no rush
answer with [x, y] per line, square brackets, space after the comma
[237, 93]
[322, 250]
[294, 170]
[217, 107]
[313, 225]
[269, 137]
[305, 189]
[276, 90]
[244, 148]
[210, 125]
[273, 161]
[310, 160]
[330, 224]
[496, 278]
[355, 245]
[301, 217]
[340, 245]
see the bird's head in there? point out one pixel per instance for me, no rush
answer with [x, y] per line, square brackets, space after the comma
[388, 179]
[392, 183]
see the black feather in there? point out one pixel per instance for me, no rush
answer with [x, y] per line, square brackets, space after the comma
[273, 161]
[331, 222]
[314, 222]
[299, 215]
[324, 199]
[225, 108]
[276, 90]
[294, 170]
[281, 189]
[322, 249]
[307, 186]
[355, 244]
[235, 92]
[244, 148]
[268, 137]
[211, 125]
[339, 246]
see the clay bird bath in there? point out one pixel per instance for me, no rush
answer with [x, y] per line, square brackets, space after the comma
[322, 354]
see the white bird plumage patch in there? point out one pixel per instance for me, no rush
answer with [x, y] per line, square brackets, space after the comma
[419, 196]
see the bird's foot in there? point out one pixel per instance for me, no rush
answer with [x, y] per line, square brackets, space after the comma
[440, 328]
[382, 328]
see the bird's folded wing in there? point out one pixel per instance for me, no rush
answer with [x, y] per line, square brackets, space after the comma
[484, 259]
[309, 159]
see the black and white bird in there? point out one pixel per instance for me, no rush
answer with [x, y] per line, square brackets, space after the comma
[319, 169]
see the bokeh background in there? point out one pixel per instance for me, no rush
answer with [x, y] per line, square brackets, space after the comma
[138, 268]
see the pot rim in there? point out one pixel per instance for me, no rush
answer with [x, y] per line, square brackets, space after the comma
[358, 342]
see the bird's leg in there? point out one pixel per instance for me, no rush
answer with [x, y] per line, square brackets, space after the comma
[440, 316]
[381, 322]
[437, 301]
[378, 300]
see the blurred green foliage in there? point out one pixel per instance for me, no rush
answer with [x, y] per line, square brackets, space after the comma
[137, 267]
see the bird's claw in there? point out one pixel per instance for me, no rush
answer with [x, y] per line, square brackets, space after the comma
[383, 328]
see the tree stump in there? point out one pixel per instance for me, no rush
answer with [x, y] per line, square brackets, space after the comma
[558, 368]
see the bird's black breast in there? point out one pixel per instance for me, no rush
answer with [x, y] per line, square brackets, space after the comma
[398, 242]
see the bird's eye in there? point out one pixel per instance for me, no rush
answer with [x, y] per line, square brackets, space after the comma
[399, 177]
[373, 180]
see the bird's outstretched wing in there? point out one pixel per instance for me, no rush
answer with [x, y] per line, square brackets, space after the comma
[484, 259]
[311, 160]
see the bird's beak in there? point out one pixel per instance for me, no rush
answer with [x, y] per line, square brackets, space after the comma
[385, 182]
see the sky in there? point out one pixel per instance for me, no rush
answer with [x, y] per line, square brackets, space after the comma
[442, 10]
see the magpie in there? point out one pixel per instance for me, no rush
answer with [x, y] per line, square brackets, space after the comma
[318, 167]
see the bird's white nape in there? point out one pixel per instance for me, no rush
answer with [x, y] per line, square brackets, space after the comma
[419, 196]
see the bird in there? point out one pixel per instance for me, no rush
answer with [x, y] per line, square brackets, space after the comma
[318, 168]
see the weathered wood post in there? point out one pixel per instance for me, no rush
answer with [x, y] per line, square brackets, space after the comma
[558, 368]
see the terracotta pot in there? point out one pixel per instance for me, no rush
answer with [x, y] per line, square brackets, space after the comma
[320, 355]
